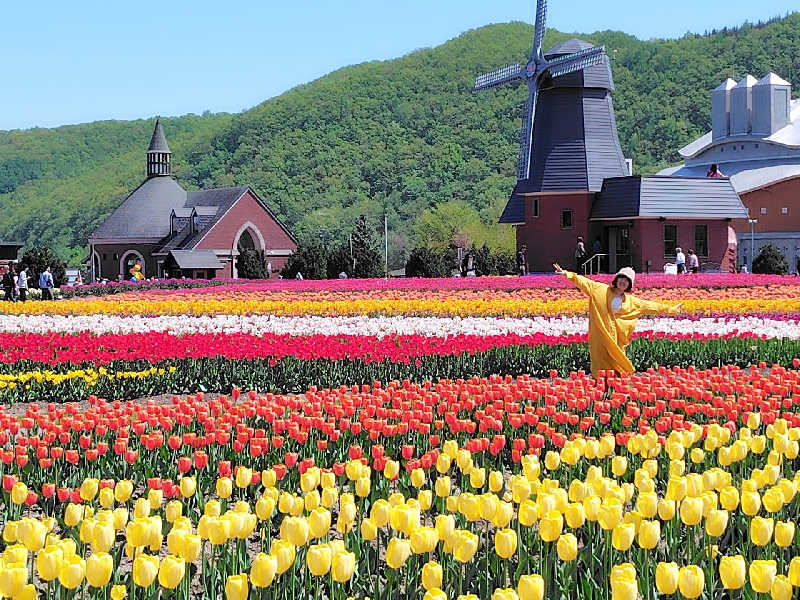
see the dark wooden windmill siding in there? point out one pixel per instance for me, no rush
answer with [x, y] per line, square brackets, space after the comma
[603, 153]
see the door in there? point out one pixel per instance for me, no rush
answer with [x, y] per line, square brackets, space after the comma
[619, 248]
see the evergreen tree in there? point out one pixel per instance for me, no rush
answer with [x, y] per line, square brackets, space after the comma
[367, 260]
[250, 264]
[339, 262]
[770, 261]
[424, 262]
[309, 259]
[36, 259]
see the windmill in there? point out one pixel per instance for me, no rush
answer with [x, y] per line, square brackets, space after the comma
[535, 73]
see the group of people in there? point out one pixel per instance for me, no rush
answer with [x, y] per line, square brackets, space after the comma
[15, 285]
[680, 261]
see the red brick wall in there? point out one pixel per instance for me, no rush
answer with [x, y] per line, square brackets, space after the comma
[547, 242]
[110, 266]
[222, 235]
[784, 194]
[648, 236]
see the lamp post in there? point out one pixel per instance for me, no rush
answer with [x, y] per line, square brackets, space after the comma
[752, 243]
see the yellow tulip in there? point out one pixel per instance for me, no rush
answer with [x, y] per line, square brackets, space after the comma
[397, 552]
[243, 477]
[123, 490]
[432, 575]
[442, 486]
[761, 530]
[552, 460]
[99, 567]
[531, 587]
[284, 552]
[619, 466]
[762, 575]
[784, 533]
[623, 582]
[505, 594]
[423, 540]
[172, 571]
[667, 575]
[32, 534]
[297, 530]
[19, 493]
[145, 570]
[477, 477]
[751, 502]
[224, 487]
[732, 571]
[343, 565]
[28, 592]
[550, 526]
[263, 570]
[380, 512]
[319, 522]
[73, 514]
[49, 562]
[89, 488]
[106, 497]
[435, 594]
[622, 536]
[505, 542]
[691, 581]
[445, 526]
[781, 588]
[716, 522]
[609, 514]
[465, 545]
[72, 572]
[794, 571]
[691, 511]
[496, 481]
[318, 559]
[236, 587]
[13, 577]
[469, 506]
[649, 534]
[567, 547]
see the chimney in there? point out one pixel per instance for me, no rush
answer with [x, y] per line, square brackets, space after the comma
[770, 104]
[721, 109]
[742, 105]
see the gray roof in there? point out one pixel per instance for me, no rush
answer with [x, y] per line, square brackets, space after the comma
[182, 213]
[158, 143]
[668, 197]
[206, 210]
[196, 259]
[221, 198]
[145, 213]
[568, 47]
[514, 212]
[745, 175]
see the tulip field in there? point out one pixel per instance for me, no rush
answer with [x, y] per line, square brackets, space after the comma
[404, 439]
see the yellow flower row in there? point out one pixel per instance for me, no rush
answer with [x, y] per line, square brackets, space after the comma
[90, 376]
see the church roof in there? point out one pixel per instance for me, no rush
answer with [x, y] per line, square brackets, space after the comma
[568, 47]
[668, 197]
[745, 175]
[196, 259]
[145, 213]
[158, 143]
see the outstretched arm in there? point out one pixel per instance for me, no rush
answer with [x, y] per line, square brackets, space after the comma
[649, 307]
[584, 284]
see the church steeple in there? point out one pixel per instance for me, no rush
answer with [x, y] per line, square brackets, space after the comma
[159, 157]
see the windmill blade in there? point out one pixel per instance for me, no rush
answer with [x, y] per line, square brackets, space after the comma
[541, 28]
[577, 61]
[526, 139]
[498, 77]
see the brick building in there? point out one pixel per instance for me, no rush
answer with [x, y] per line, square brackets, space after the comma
[580, 184]
[172, 232]
[755, 141]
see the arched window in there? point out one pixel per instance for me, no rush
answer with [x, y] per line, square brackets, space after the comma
[246, 241]
[127, 262]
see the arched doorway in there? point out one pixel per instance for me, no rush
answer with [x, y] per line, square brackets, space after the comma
[247, 238]
[128, 260]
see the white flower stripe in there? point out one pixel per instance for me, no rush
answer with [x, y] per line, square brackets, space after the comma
[383, 326]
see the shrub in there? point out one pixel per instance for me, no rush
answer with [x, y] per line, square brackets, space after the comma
[36, 259]
[250, 264]
[770, 261]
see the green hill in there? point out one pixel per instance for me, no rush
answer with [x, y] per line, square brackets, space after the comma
[405, 135]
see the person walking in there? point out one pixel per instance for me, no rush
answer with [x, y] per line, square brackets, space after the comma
[22, 284]
[680, 260]
[694, 262]
[46, 284]
[580, 254]
[713, 171]
[9, 283]
[522, 260]
[613, 312]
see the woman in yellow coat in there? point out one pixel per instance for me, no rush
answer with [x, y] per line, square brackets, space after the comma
[613, 313]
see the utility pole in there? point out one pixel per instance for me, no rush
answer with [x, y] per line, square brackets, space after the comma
[352, 258]
[386, 243]
[752, 243]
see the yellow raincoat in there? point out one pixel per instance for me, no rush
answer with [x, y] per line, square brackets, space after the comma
[610, 332]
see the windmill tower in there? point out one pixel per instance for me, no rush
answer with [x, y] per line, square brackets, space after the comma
[568, 144]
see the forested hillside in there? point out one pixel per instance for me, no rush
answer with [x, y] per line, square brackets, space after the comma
[406, 136]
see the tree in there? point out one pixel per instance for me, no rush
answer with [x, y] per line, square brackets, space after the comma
[770, 261]
[368, 262]
[309, 259]
[425, 262]
[36, 259]
[250, 264]
[339, 262]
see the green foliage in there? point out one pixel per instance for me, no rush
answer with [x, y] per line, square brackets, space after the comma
[339, 261]
[367, 261]
[250, 264]
[405, 136]
[426, 262]
[770, 261]
[36, 259]
[310, 260]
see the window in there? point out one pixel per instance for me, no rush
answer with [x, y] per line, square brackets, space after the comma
[701, 240]
[763, 210]
[670, 240]
[784, 211]
[534, 207]
[566, 219]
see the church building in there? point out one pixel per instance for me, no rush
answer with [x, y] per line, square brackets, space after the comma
[171, 232]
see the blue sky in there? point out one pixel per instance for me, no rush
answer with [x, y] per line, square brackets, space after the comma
[79, 61]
